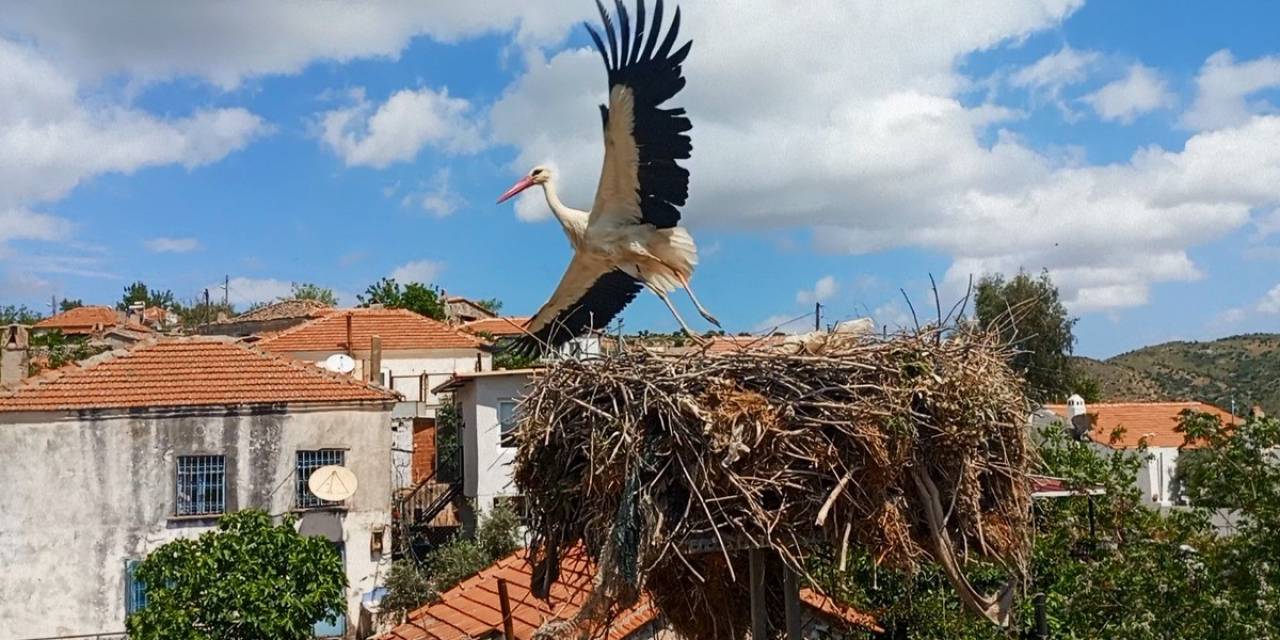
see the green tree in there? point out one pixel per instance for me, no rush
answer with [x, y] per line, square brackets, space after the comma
[492, 305]
[247, 580]
[138, 292]
[197, 313]
[69, 304]
[62, 349]
[11, 314]
[308, 291]
[414, 296]
[411, 585]
[1027, 312]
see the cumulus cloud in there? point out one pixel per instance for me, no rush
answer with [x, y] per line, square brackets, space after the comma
[1270, 303]
[396, 130]
[1062, 68]
[21, 224]
[424, 271]
[1224, 88]
[822, 290]
[439, 199]
[171, 245]
[873, 149]
[1141, 91]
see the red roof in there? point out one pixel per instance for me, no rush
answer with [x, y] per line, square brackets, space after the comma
[1153, 422]
[86, 320]
[399, 329]
[185, 372]
[472, 608]
[497, 327]
[733, 344]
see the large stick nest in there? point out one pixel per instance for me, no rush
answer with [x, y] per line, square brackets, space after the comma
[667, 468]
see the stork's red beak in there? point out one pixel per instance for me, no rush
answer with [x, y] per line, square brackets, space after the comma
[523, 184]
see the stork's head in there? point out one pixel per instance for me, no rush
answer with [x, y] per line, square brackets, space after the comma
[537, 175]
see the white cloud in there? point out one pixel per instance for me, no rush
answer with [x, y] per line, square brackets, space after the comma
[822, 290]
[399, 128]
[227, 42]
[424, 271]
[440, 200]
[21, 224]
[783, 323]
[1142, 90]
[892, 315]
[873, 149]
[1223, 88]
[1055, 71]
[171, 245]
[245, 291]
[1270, 303]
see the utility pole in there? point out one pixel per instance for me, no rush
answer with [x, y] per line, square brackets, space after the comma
[53, 305]
[226, 292]
[206, 306]
[817, 316]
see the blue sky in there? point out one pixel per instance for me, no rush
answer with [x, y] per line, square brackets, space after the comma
[840, 155]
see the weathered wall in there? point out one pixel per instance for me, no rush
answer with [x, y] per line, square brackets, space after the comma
[488, 463]
[84, 493]
[407, 367]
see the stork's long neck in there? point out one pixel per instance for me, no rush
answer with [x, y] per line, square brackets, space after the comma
[573, 221]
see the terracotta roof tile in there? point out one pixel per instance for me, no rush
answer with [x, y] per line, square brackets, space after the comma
[472, 608]
[398, 328]
[1150, 421]
[183, 372]
[498, 327]
[86, 319]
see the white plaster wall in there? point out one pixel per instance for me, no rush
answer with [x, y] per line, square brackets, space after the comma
[488, 463]
[406, 366]
[83, 493]
[1160, 469]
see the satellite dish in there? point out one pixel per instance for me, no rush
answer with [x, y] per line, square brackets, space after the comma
[340, 363]
[332, 483]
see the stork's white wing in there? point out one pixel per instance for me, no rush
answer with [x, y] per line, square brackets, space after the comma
[589, 295]
[641, 181]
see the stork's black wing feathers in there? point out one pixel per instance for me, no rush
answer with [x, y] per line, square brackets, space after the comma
[595, 309]
[654, 76]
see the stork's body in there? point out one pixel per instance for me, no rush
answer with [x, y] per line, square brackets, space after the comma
[630, 239]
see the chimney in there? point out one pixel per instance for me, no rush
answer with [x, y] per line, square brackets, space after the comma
[350, 347]
[375, 359]
[15, 356]
[1078, 417]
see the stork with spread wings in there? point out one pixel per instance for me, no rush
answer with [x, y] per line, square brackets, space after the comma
[630, 240]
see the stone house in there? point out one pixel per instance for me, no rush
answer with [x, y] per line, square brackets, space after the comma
[105, 461]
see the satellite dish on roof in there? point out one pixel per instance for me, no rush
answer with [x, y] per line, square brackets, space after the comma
[332, 483]
[340, 363]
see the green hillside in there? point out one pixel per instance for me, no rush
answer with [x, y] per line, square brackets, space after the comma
[1245, 368]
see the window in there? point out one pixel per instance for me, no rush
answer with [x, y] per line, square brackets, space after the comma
[337, 628]
[507, 422]
[201, 485]
[308, 462]
[135, 593]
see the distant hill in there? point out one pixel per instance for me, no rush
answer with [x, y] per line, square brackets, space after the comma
[1245, 367]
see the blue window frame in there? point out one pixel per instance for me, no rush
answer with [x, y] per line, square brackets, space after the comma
[201, 486]
[308, 462]
[135, 593]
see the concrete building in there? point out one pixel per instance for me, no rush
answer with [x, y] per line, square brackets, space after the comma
[487, 403]
[459, 310]
[1127, 426]
[266, 320]
[416, 354]
[104, 462]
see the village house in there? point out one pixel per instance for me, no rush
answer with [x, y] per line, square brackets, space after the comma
[101, 325]
[473, 608]
[460, 310]
[105, 461]
[413, 354]
[259, 323]
[1129, 425]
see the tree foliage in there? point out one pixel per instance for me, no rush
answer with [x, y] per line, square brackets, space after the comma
[60, 349]
[11, 314]
[414, 296]
[249, 579]
[139, 292]
[1027, 312]
[197, 313]
[492, 305]
[411, 585]
[68, 304]
[309, 291]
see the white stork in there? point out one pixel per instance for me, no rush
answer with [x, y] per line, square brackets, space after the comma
[629, 240]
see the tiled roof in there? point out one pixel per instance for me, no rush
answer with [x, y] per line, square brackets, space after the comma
[1150, 421]
[472, 608]
[732, 344]
[85, 319]
[183, 372]
[398, 328]
[282, 310]
[497, 327]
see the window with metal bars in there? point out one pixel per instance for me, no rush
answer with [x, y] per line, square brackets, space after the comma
[201, 485]
[308, 462]
[135, 593]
